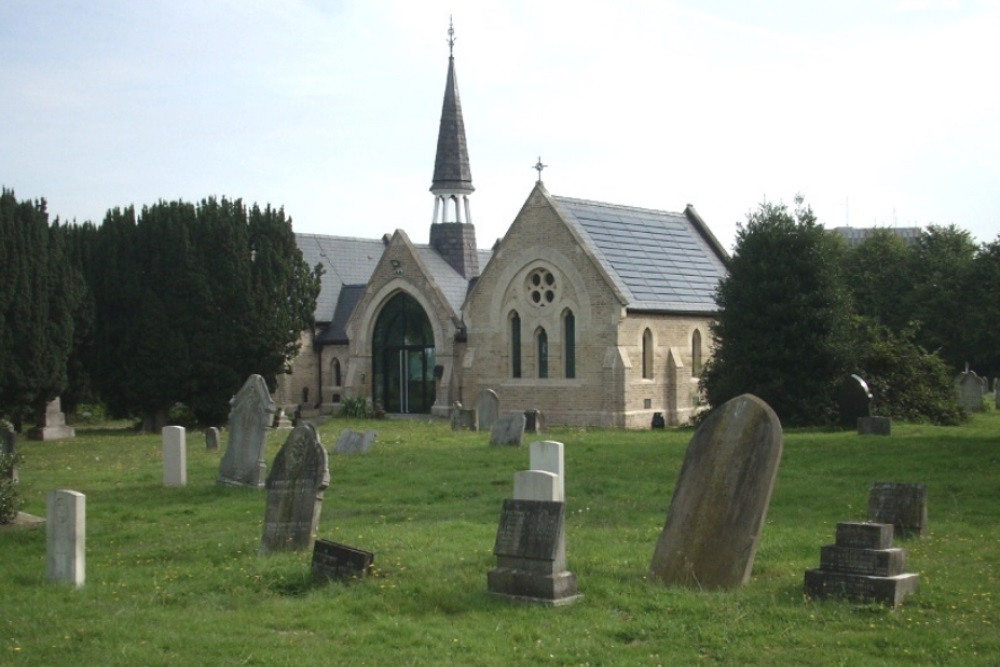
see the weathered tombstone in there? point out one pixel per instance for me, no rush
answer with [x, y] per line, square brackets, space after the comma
[174, 456]
[534, 422]
[904, 506]
[970, 391]
[211, 438]
[281, 420]
[51, 423]
[249, 420]
[295, 488]
[487, 408]
[548, 455]
[508, 430]
[854, 400]
[339, 561]
[717, 513]
[536, 485]
[354, 442]
[9, 440]
[862, 566]
[530, 549]
[874, 426]
[66, 536]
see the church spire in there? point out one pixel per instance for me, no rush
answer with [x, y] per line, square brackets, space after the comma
[452, 183]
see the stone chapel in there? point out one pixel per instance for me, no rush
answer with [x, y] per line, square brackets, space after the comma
[595, 314]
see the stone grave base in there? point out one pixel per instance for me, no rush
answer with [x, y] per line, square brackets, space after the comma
[889, 591]
[523, 586]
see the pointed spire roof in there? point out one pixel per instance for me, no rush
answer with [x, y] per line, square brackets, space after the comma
[451, 166]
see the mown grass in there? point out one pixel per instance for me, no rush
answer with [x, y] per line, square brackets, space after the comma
[174, 576]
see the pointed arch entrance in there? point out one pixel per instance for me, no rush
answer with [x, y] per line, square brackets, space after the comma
[403, 357]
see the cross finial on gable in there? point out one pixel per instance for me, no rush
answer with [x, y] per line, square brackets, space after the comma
[538, 167]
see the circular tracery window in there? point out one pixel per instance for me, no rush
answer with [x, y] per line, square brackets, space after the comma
[541, 287]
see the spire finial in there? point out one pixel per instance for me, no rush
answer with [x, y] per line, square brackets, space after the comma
[538, 167]
[451, 37]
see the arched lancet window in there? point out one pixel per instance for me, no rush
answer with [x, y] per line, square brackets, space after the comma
[647, 354]
[569, 344]
[542, 351]
[335, 371]
[696, 353]
[515, 344]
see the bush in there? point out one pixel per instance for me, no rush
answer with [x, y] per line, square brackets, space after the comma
[10, 500]
[356, 406]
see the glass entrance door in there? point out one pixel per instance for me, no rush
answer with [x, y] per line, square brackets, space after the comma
[403, 358]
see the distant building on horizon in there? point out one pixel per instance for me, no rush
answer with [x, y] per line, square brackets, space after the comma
[856, 235]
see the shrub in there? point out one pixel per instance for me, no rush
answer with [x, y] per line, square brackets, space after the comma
[356, 406]
[10, 500]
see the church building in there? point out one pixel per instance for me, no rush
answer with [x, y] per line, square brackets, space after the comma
[595, 314]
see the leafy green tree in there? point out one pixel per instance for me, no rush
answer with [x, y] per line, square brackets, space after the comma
[878, 272]
[782, 331]
[983, 299]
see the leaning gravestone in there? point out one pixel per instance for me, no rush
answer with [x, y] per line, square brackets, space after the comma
[354, 442]
[249, 420]
[717, 513]
[508, 430]
[487, 408]
[295, 492]
[902, 505]
[174, 456]
[970, 391]
[340, 562]
[51, 423]
[854, 400]
[66, 536]
[9, 441]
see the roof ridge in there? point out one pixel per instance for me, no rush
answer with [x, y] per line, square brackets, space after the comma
[594, 202]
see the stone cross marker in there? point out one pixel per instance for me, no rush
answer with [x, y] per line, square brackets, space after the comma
[855, 401]
[487, 408]
[904, 506]
[717, 513]
[508, 430]
[66, 536]
[295, 488]
[174, 456]
[354, 442]
[249, 420]
[970, 391]
[547, 455]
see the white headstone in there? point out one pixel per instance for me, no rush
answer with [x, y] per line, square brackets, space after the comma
[536, 485]
[174, 456]
[65, 536]
[547, 455]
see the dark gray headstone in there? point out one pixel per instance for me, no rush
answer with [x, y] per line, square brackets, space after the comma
[463, 419]
[864, 534]
[874, 426]
[534, 422]
[487, 408]
[717, 513]
[295, 492]
[354, 442]
[9, 447]
[902, 505]
[250, 417]
[211, 438]
[854, 400]
[340, 562]
[970, 391]
[508, 430]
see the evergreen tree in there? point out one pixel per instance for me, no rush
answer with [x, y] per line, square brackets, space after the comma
[982, 300]
[878, 273]
[782, 331]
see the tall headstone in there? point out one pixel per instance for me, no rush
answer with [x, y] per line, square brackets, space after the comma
[174, 456]
[51, 423]
[250, 417]
[8, 440]
[904, 506]
[354, 442]
[508, 430]
[487, 408]
[66, 536]
[970, 391]
[548, 455]
[717, 513]
[854, 400]
[211, 438]
[295, 488]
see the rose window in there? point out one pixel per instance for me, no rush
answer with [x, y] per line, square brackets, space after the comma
[541, 287]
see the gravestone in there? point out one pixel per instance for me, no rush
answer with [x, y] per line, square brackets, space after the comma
[66, 536]
[463, 419]
[534, 422]
[295, 488]
[8, 439]
[487, 408]
[281, 420]
[874, 426]
[970, 391]
[51, 423]
[904, 506]
[354, 442]
[717, 513]
[862, 566]
[536, 485]
[339, 561]
[548, 455]
[211, 438]
[508, 430]
[174, 456]
[854, 400]
[530, 548]
[250, 418]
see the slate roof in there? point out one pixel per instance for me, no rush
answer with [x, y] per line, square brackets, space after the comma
[660, 261]
[346, 261]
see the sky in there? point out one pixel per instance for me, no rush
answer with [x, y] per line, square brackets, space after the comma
[879, 112]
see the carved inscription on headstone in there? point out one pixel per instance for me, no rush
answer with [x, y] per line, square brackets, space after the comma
[249, 420]
[295, 492]
[338, 561]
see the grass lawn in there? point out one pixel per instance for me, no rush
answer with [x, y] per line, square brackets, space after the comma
[174, 576]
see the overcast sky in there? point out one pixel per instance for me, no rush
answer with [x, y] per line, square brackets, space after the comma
[880, 112]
